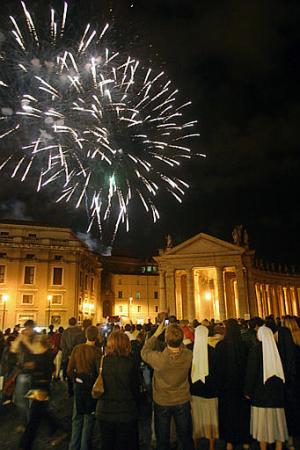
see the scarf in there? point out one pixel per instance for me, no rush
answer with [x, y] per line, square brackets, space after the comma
[272, 365]
[200, 355]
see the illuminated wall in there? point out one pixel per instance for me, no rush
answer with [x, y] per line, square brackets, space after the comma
[46, 274]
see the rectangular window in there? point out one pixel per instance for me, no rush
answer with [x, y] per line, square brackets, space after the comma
[4, 233]
[92, 284]
[27, 299]
[29, 275]
[56, 300]
[3, 255]
[139, 309]
[86, 279]
[57, 276]
[21, 318]
[156, 308]
[32, 235]
[30, 256]
[2, 274]
[80, 279]
[156, 295]
[138, 295]
[120, 294]
[57, 257]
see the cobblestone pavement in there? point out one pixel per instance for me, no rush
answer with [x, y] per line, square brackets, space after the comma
[61, 406]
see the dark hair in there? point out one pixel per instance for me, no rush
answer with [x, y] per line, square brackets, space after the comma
[29, 324]
[86, 323]
[118, 344]
[60, 329]
[127, 327]
[72, 321]
[174, 335]
[92, 333]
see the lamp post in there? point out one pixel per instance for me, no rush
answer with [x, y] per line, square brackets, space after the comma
[49, 298]
[5, 297]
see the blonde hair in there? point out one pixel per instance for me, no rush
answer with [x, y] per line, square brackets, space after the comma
[292, 325]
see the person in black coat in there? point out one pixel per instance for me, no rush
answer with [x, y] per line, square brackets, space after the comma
[234, 408]
[204, 401]
[117, 409]
[264, 386]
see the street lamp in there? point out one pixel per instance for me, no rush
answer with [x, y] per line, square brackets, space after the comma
[5, 298]
[49, 298]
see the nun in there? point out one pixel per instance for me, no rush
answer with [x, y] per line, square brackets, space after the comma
[264, 386]
[204, 401]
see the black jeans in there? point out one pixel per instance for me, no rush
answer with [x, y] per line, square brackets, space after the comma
[183, 421]
[38, 411]
[119, 435]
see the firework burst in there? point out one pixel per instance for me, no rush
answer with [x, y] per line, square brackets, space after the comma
[95, 123]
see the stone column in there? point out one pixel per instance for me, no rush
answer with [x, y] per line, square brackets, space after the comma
[281, 301]
[162, 292]
[170, 292]
[221, 296]
[251, 292]
[190, 295]
[269, 303]
[258, 299]
[242, 294]
[275, 301]
[285, 299]
[264, 297]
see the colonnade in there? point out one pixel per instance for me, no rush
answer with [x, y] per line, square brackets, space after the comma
[277, 299]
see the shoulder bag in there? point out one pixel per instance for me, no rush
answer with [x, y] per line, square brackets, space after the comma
[98, 388]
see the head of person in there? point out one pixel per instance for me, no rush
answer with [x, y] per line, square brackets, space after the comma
[92, 333]
[292, 325]
[255, 323]
[86, 323]
[174, 336]
[172, 319]
[29, 327]
[51, 328]
[61, 329]
[7, 331]
[270, 323]
[232, 330]
[72, 321]
[42, 340]
[118, 344]
[127, 327]
[195, 323]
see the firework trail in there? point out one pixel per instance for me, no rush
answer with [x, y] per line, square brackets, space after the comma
[89, 120]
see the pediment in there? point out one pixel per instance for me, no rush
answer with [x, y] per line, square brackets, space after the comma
[204, 244]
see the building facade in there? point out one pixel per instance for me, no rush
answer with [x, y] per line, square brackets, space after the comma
[130, 288]
[206, 277]
[46, 274]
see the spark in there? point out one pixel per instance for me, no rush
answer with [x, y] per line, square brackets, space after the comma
[96, 124]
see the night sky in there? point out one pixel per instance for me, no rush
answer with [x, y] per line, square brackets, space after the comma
[238, 61]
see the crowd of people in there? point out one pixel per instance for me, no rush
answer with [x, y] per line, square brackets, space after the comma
[237, 381]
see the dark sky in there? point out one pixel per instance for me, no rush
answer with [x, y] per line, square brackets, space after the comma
[238, 61]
